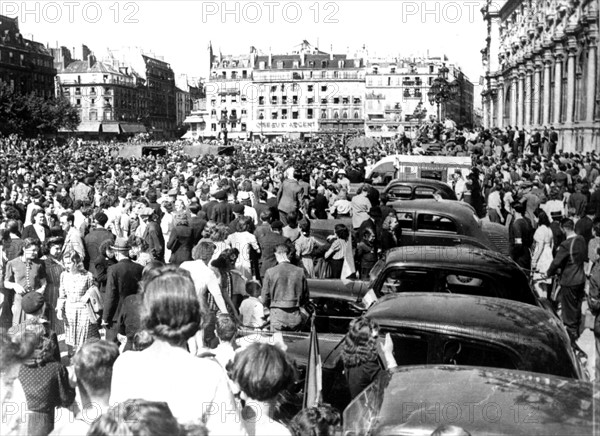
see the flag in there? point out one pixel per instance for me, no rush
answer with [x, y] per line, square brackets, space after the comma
[314, 371]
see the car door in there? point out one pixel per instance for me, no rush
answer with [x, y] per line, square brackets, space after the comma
[406, 221]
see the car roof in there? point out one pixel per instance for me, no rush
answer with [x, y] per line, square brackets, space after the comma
[451, 207]
[418, 399]
[418, 182]
[463, 255]
[498, 320]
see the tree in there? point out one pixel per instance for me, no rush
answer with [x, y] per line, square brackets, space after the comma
[29, 115]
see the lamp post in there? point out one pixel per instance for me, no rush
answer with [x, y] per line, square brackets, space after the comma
[442, 90]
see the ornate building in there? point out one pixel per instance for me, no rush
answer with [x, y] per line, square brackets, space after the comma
[542, 69]
[26, 66]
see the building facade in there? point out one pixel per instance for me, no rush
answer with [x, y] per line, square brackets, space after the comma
[109, 100]
[309, 92]
[25, 65]
[542, 69]
[160, 111]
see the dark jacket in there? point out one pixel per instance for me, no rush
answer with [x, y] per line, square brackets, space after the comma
[583, 227]
[267, 244]
[122, 281]
[181, 243]
[92, 242]
[130, 320]
[101, 265]
[222, 213]
[197, 225]
[594, 297]
[570, 257]
[29, 232]
[156, 241]
[285, 287]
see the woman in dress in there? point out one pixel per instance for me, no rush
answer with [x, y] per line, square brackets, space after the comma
[542, 255]
[338, 252]
[245, 242]
[305, 245]
[72, 308]
[25, 273]
[39, 229]
[391, 233]
[54, 268]
[166, 225]
[181, 241]
[218, 237]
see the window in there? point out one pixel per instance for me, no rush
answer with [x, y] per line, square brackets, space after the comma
[294, 99]
[310, 100]
[356, 115]
[213, 112]
[243, 127]
[78, 91]
[424, 192]
[310, 88]
[295, 115]
[323, 101]
[336, 115]
[324, 88]
[261, 100]
[336, 100]
[284, 114]
[344, 114]
[323, 64]
[345, 100]
[405, 219]
[309, 114]
[274, 99]
[279, 65]
[400, 280]
[435, 223]
[296, 64]
[393, 70]
[261, 65]
[92, 90]
[93, 115]
[244, 112]
[323, 114]
[274, 115]
[410, 349]
[284, 99]
[464, 353]
[78, 102]
[244, 74]
[233, 125]
[273, 88]
[93, 101]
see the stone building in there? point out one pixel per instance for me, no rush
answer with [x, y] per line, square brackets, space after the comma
[25, 65]
[542, 69]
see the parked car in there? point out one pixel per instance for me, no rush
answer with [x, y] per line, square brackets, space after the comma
[440, 328]
[427, 222]
[413, 189]
[430, 269]
[416, 400]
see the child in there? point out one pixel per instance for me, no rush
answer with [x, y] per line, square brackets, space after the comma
[252, 309]
[365, 253]
[226, 331]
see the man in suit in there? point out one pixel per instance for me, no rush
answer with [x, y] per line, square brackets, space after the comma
[94, 239]
[570, 257]
[223, 211]
[197, 221]
[268, 243]
[289, 196]
[73, 240]
[122, 281]
[285, 292]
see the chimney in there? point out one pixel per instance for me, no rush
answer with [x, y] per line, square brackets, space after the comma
[303, 58]
[331, 52]
[91, 60]
[270, 58]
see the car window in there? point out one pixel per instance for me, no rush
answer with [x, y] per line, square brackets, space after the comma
[400, 192]
[424, 192]
[469, 284]
[405, 220]
[408, 281]
[408, 349]
[432, 174]
[465, 353]
[436, 223]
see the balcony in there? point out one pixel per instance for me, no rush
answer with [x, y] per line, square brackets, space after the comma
[229, 91]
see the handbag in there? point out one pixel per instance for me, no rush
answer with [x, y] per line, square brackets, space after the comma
[94, 304]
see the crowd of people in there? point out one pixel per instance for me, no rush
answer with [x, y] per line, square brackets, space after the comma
[126, 280]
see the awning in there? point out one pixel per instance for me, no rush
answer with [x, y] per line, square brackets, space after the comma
[194, 119]
[133, 128]
[89, 127]
[111, 128]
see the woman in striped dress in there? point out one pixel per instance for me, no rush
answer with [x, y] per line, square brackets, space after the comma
[53, 248]
[75, 284]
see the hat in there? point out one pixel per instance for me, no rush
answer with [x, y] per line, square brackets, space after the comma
[121, 245]
[173, 192]
[101, 218]
[146, 211]
[276, 225]
[220, 195]
[32, 302]
[342, 171]
[238, 208]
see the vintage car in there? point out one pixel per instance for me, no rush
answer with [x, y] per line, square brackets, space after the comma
[451, 270]
[461, 329]
[415, 400]
[413, 189]
[429, 222]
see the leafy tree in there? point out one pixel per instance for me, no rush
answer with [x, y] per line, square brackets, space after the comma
[29, 115]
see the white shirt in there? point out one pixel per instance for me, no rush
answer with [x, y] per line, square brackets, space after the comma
[194, 388]
[252, 312]
[205, 278]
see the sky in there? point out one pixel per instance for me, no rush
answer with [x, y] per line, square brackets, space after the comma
[181, 30]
